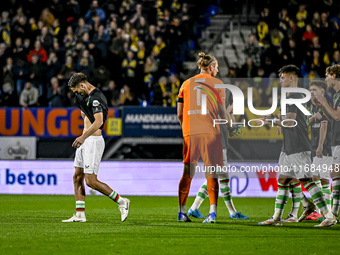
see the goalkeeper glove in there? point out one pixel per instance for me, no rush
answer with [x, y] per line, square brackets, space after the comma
[234, 131]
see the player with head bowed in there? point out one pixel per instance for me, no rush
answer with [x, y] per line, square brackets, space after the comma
[90, 147]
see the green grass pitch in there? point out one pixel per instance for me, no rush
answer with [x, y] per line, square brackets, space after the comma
[32, 225]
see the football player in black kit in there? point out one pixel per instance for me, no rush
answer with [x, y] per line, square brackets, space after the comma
[333, 113]
[90, 147]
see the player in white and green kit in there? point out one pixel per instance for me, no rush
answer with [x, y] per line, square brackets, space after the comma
[295, 157]
[333, 113]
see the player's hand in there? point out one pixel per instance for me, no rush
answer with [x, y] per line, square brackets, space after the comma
[279, 130]
[234, 131]
[78, 142]
[318, 116]
[230, 108]
[318, 152]
[262, 121]
[320, 100]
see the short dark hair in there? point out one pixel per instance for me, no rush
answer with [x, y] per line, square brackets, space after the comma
[292, 69]
[319, 83]
[334, 69]
[76, 79]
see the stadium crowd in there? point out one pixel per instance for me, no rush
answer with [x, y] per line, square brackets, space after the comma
[290, 32]
[132, 50]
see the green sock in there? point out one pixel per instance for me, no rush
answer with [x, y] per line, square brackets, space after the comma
[297, 195]
[281, 200]
[326, 190]
[201, 195]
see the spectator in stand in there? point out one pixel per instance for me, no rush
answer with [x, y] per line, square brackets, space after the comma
[316, 63]
[135, 19]
[21, 74]
[8, 75]
[283, 20]
[18, 49]
[150, 69]
[252, 49]
[101, 39]
[175, 85]
[308, 35]
[101, 77]
[8, 97]
[35, 28]
[142, 27]
[67, 70]
[53, 65]
[127, 97]
[21, 28]
[129, 66]
[292, 54]
[69, 36]
[150, 39]
[263, 33]
[26, 47]
[29, 96]
[55, 94]
[82, 27]
[316, 21]
[47, 17]
[5, 34]
[58, 51]
[248, 70]
[36, 72]
[39, 51]
[276, 38]
[324, 31]
[46, 39]
[111, 93]
[86, 64]
[95, 11]
[161, 92]
[301, 16]
[336, 58]
[4, 53]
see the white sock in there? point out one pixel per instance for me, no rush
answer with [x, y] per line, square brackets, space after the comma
[80, 208]
[213, 208]
[181, 208]
[305, 202]
[115, 197]
[318, 183]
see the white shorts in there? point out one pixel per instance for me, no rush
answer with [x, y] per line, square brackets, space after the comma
[296, 165]
[322, 167]
[336, 155]
[89, 154]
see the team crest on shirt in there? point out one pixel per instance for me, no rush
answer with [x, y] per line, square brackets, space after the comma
[95, 103]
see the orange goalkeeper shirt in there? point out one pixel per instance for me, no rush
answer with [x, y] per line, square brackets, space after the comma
[194, 122]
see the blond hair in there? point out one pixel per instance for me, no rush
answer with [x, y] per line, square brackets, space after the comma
[205, 61]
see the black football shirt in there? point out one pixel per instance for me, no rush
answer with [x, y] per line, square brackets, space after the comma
[295, 139]
[94, 103]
